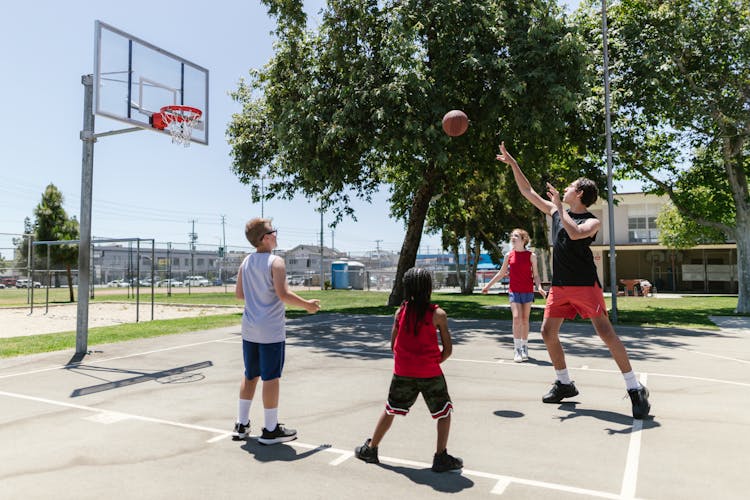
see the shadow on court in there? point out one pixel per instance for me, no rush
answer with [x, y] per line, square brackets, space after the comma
[279, 452]
[444, 482]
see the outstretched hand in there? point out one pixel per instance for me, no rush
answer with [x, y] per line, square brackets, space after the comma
[554, 196]
[504, 156]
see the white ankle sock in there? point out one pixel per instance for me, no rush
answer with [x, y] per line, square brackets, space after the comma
[562, 376]
[271, 416]
[631, 381]
[243, 411]
[517, 343]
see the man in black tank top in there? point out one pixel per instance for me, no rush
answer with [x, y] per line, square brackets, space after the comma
[575, 283]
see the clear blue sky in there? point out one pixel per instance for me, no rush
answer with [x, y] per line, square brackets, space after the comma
[144, 186]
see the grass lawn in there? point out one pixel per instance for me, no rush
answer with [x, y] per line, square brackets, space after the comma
[684, 312]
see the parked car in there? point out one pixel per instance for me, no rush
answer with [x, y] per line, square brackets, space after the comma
[217, 282]
[118, 284]
[24, 283]
[2, 286]
[8, 281]
[232, 280]
[170, 282]
[196, 281]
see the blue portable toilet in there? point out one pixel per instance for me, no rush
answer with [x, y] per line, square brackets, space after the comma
[340, 275]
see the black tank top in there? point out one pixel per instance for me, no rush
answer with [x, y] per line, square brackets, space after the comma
[572, 260]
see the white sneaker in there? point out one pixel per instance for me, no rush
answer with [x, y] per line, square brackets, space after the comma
[525, 353]
[518, 355]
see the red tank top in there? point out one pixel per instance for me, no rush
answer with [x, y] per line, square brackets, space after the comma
[417, 355]
[521, 274]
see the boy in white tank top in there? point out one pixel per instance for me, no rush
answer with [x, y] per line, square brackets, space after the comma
[261, 283]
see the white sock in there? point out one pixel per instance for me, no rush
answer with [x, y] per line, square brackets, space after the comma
[562, 376]
[243, 411]
[631, 381]
[517, 343]
[525, 342]
[271, 416]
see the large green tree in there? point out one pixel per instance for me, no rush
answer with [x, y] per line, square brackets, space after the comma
[681, 90]
[356, 104]
[53, 224]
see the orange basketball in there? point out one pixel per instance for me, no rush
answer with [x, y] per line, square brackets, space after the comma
[455, 122]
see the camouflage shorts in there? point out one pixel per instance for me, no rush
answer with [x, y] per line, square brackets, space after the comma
[404, 391]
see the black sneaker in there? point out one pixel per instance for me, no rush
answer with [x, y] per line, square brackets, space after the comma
[278, 435]
[240, 431]
[639, 398]
[442, 462]
[367, 453]
[560, 391]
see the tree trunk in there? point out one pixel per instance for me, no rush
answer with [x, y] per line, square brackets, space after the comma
[413, 237]
[456, 259]
[70, 282]
[738, 185]
[743, 269]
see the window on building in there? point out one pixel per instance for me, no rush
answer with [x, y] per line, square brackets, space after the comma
[642, 229]
[211, 262]
[187, 262]
[200, 262]
[175, 261]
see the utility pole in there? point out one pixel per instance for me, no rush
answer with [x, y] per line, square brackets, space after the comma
[377, 246]
[322, 275]
[223, 248]
[193, 238]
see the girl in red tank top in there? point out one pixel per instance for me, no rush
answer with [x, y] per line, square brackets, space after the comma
[520, 265]
[417, 358]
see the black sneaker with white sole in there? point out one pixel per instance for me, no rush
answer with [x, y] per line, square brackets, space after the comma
[442, 462]
[367, 453]
[279, 435]
[240, 431]
[639, 399]
[560, 391]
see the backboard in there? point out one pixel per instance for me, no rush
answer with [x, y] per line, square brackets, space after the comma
[134, 80]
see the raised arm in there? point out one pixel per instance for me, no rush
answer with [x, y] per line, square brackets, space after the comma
[523, 183]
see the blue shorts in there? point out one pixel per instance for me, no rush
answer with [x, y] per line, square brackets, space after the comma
[521, 297]
[264, 360]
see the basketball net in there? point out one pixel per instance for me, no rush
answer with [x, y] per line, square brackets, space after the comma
[180, 121]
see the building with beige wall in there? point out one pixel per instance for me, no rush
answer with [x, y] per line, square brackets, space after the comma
[639, 255]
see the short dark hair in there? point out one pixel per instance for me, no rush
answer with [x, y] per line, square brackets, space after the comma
[589, 190]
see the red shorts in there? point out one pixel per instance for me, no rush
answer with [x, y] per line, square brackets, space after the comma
[569, 301]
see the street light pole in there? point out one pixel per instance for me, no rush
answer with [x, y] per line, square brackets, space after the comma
[608, 135]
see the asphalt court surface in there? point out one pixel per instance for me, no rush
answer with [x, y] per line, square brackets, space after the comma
[151, 418]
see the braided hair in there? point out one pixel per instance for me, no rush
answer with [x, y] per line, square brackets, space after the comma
[417, 293]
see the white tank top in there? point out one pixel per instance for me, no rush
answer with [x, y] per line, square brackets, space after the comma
[263, 320]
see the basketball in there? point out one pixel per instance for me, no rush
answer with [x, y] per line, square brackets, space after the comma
[455, 122]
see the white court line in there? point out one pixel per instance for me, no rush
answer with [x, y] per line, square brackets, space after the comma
[572, 368]
[344, 454]
[96, 361]
[630, 476]
[716, 356]
[343, 458]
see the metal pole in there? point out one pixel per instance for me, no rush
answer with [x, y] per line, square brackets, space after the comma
[322, 275]
[608, 134]
[138, 281]
[153, 265]
[84, 248]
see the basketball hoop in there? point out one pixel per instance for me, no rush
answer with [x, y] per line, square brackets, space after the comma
[179, 120]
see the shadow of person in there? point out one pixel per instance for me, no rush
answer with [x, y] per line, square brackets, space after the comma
[444, 482]
[607, 416]
[281, 452]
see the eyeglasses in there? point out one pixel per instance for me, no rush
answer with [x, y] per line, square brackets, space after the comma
[272, 232]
